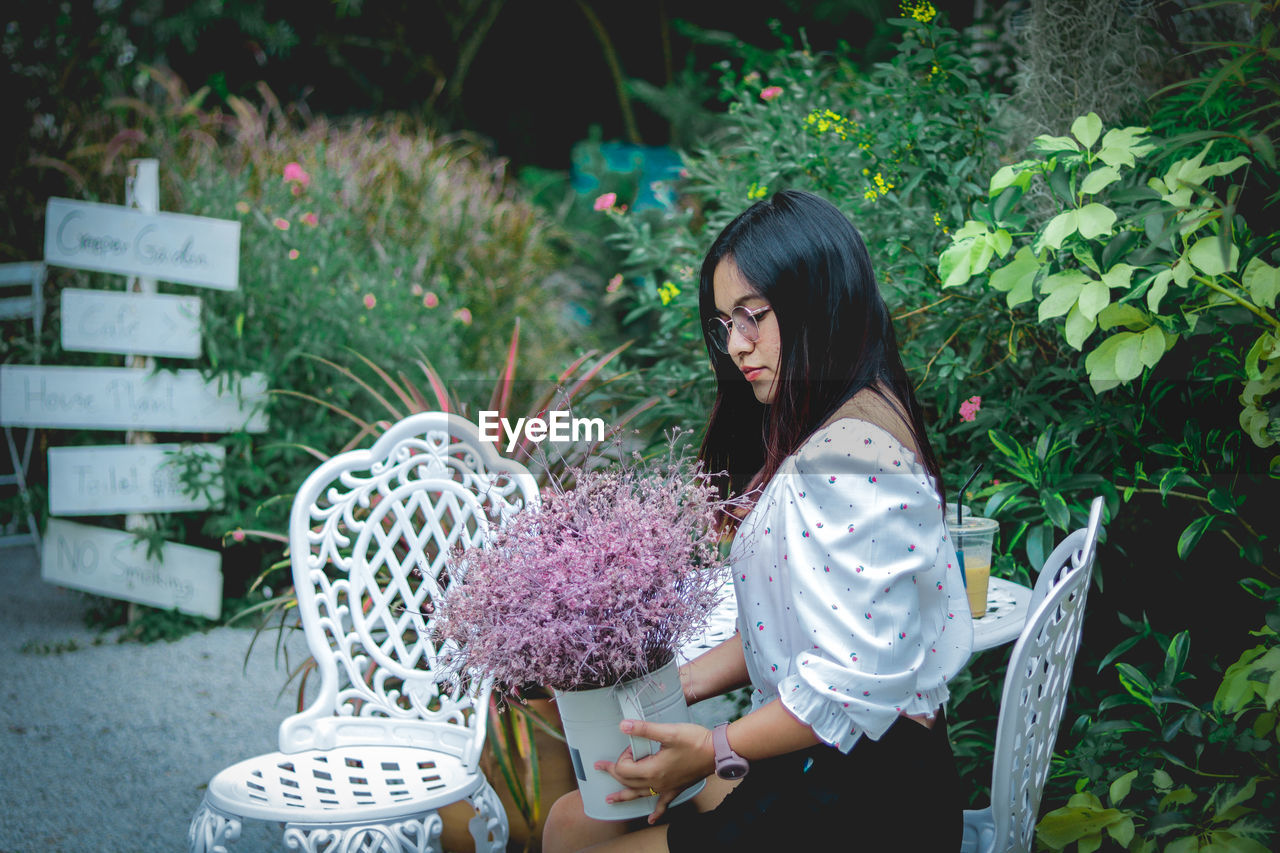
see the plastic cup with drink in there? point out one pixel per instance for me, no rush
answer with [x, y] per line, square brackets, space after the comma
[972, 536]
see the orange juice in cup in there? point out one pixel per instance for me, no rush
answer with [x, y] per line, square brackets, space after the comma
[972, 536]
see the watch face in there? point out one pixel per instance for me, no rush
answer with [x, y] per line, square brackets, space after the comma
[732, 768]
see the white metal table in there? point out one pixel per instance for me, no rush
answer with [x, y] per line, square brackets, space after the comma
[1008, 604]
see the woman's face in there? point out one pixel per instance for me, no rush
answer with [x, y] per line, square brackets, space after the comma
[758, 360]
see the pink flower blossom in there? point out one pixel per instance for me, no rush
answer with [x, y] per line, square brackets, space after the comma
[370, 300]
[242, 207]
[416, 290]
[295, 174]
[969, 408]
[311, 219]
[430, 300]
[282, 224]
[464, 315]
[293, 254]
[606, 201]
[768, 93]
[237, 535]
[614, 284]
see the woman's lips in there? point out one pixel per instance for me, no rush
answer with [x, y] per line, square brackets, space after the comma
[752, 373]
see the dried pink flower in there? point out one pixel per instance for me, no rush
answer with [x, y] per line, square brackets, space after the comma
[768, 93]
[606, 201]
[370, 300]
[614, 284]
[311, 219]
[281, 223]
[601, 583]
[463, 315]
[293, 254]
[430, 300]
[969, 408]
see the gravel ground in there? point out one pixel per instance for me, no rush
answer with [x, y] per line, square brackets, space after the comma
[107, 746]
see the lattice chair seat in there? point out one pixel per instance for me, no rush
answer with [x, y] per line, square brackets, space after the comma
[387, 741]
[1035, 696]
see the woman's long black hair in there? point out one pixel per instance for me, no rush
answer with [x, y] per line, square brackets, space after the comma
[804, 257]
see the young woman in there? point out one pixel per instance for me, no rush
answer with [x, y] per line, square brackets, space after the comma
[851, 609]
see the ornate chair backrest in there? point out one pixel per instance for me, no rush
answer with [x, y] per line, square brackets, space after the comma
[369, 536]
[1035, 686]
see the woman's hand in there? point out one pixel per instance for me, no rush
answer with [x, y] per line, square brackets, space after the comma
[686, 755]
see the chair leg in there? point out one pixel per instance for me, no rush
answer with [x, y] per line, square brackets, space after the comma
[489, 828]
[414, 835]
[211, 830]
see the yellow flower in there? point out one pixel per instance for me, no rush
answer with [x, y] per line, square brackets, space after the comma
[937, 219]
[667, 292]
[919, 10]
[755, 193]
[871, 194]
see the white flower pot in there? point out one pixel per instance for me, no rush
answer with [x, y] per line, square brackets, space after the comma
[591, 719]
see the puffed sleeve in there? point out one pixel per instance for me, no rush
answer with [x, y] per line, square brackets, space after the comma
[867, 570]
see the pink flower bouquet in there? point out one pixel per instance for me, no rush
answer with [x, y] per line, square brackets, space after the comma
[600, 584]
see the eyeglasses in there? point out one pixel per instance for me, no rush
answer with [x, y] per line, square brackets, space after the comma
[743, 319]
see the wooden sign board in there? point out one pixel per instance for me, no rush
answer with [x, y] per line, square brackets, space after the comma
[131, 323]
[114, 564]
[120, 479]
[173, 247]
[125, 398]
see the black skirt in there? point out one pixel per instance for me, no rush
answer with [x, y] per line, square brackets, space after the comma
[901, 792]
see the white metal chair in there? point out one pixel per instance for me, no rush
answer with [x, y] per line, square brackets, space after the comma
[21, 298]
[1035, 696]
[387, 742]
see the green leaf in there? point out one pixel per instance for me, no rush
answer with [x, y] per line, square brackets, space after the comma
[1121, 314]
[1094, 296]
[1121, 145]
[1206, 254]
[1095, 220]
[1159, 287]
[1135, 683]
[1191, 535]
[1078, 329]
[954, 264]
[1063, 826]
[1187, 844]
[1005, 443]
[1016, 277]
[1059, 228]
[1161, 779]
[1039, 544]
[1015, 174]
[1098, 179]
[1235, 691]
[1060, 300]
[1175, 658]
[1087, 128]
[1120, 275]
[1128, 356]
[1122, 831]
[1151, 346]
[1000, 242]
[1262, 281]
[1242, 795]
[1120, 787]
[1049, 144]
[1055, 508]
[1089, 843]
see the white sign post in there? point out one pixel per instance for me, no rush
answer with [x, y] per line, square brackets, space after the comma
[115, 479]
[175, 247]
[114, 564]
[138, 241]
[121, 398]
[131, 323]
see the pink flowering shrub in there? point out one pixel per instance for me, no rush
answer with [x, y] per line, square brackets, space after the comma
[601, 583]
[969, 408]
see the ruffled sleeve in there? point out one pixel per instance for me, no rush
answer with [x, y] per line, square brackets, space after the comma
[868, 566]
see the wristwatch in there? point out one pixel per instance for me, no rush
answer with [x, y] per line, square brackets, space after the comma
[729, 765]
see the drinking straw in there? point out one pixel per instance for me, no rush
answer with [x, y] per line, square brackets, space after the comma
[964, 578]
